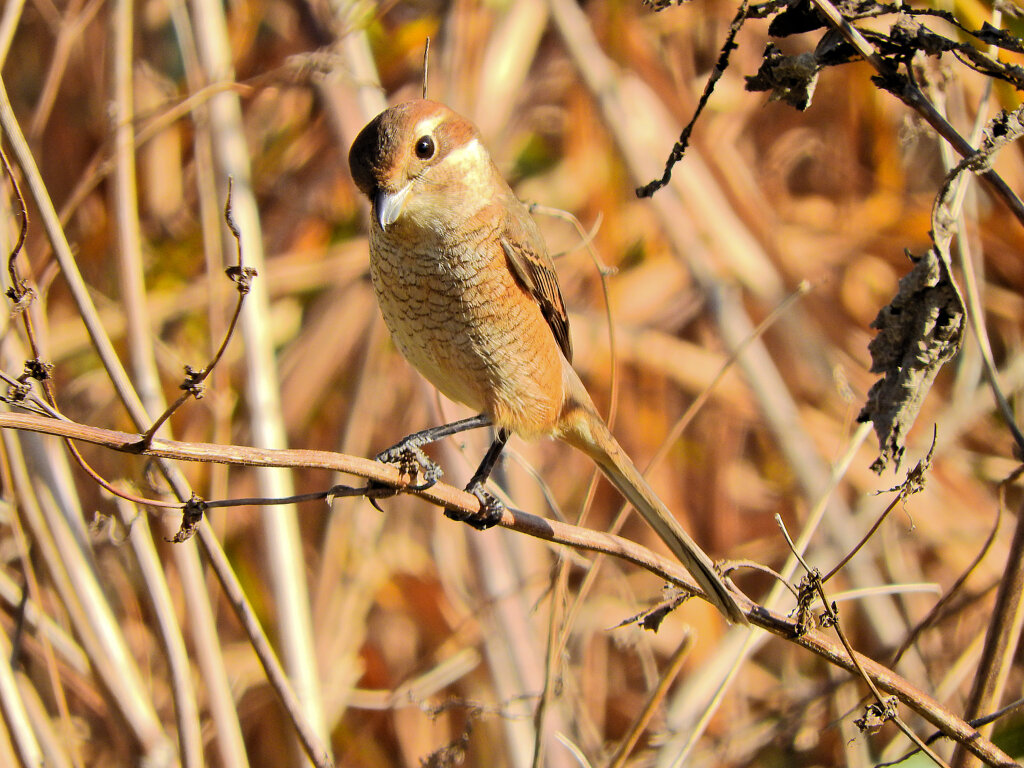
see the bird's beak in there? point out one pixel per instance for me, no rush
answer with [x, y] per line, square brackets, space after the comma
[389, 205]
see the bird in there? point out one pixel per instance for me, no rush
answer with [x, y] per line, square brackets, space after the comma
[470, 296]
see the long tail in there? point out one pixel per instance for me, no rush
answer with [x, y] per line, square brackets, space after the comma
[583, 428]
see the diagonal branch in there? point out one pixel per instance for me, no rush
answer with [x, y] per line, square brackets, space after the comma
[907, 91]
[443, 495]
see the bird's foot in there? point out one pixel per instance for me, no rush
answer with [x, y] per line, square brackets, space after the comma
[489, 514]
[412, 461]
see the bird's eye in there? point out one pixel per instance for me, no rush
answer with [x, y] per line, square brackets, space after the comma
[424, 148]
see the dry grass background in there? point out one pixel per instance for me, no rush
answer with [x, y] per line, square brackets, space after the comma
[411, 638]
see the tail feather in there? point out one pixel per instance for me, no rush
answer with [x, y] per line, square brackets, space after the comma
[585, 430]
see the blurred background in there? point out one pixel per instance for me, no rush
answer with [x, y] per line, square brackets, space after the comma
[413, 640]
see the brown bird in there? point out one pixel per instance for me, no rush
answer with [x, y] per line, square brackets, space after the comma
[471, 298]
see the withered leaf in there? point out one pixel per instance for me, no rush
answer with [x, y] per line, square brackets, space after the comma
[918, 332]
[922, 327]
[791, 79]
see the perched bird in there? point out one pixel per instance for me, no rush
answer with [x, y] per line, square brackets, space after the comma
[470, 295]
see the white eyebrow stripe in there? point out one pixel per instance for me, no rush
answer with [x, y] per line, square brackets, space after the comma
[473, 147]
[427, 125]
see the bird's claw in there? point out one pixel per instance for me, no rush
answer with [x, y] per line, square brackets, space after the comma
[412, 461]
[375, 491]
[489, 514]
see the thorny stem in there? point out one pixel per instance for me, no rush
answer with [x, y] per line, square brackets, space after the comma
[192, 386]
[906, 90]
[549, 530]
[833, 616]
[12, 262]
[890, 79]
[243, 609]
[936, 611]
[980, 722]
[20, 293]
[684, 139]
[338, 491]
[913, 483]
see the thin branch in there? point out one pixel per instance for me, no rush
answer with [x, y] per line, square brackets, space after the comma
[308, 737]
[906, 90]
[1009, 709]
[684, 139]
[937, 610]
[11, 129]
[913, 483]
[442, 495]
[675, 665]
[884, 709]
[426, 65]
[37, 368]
[1002, 637]
[242, 276]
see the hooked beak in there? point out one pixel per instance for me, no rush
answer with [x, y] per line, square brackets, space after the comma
[389, 205]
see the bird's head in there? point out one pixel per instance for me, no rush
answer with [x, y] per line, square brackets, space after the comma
[421, 162]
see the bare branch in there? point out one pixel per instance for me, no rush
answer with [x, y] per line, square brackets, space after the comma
[442, 495]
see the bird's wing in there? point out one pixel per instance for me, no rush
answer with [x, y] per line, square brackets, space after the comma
[530, 263]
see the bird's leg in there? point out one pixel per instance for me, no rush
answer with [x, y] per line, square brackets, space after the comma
[408, 453]
[490, 506]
